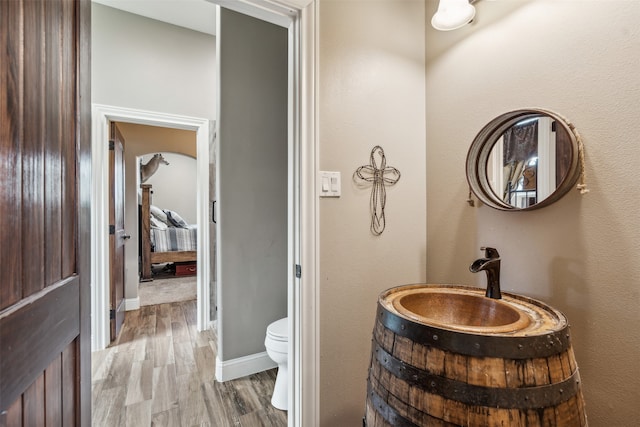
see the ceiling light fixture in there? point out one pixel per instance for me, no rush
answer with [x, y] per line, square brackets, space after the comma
[453, 14]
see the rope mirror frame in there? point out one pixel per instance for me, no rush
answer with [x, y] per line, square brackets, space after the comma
[483, 143]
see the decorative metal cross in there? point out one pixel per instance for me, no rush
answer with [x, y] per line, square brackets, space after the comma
[378, 177]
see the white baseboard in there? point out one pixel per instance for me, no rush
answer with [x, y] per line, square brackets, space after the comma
[243, 366]
[131, 304]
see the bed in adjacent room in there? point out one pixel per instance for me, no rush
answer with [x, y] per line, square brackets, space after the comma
[165, 238]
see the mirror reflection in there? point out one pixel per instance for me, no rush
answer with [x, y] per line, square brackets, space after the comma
[524, 159]
[529, 161]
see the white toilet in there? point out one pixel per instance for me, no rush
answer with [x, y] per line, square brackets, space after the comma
[277, 343]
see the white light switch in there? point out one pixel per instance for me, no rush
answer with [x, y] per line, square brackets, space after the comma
[325, 184]
[329, 184]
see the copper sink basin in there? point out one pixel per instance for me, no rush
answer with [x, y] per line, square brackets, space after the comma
[462, 308]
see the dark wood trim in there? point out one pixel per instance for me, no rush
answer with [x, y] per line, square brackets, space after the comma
[116, 229]
[11, 137]
[82, 357]
[32, 151]
[146, 232]
[177, 256]
[19, 364]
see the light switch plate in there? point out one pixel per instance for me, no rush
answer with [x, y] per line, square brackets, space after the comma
[329, 184]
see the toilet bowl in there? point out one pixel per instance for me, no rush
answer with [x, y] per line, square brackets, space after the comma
[277, 345]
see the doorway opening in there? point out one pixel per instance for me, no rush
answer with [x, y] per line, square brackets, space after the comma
[166, 214]
[300, 19]
[101, 118]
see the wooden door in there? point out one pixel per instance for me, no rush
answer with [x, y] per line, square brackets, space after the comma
[45, 168]
[117, 235]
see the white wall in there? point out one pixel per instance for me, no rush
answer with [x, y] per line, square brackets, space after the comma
[252, 167]
[370, 92]
[145, 64]
[174, 185]
[149, 65]
[580, 59]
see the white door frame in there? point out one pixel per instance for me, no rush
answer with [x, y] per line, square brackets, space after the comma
[299, 17]
[101, 116]
[304, 348]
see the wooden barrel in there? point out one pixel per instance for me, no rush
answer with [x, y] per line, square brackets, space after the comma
[423, 373]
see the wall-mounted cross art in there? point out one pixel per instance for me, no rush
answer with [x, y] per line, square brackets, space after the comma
[378, 174]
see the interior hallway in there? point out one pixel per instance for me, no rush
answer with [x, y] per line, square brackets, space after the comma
[161, 372]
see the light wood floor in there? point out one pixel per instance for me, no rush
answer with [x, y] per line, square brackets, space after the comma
[167, 290]
[161, 370]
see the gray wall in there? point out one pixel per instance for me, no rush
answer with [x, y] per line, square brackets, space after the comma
[253, 181]
[145, 64]
[581, 59]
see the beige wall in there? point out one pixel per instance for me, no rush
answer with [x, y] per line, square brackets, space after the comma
[371, 92]
[581, 59]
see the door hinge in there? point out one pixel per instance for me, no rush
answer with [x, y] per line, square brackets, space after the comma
[112, 229]
[298, 271]
[112, 145]
[112, 314]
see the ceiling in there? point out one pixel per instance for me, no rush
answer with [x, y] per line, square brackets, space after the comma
[198, 15]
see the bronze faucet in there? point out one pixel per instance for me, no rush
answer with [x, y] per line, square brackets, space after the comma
[491, 265]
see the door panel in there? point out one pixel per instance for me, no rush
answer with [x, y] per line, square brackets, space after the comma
[117, 236]
[11, 138]
[45, 209]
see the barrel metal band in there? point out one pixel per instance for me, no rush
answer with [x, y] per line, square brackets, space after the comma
[509, 398]
[387, 412]
[530, 347]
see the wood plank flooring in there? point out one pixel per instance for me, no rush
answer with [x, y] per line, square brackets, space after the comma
[161, 372]
[166, 290]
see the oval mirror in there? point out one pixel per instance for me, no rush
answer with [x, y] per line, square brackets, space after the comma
[524, 160]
